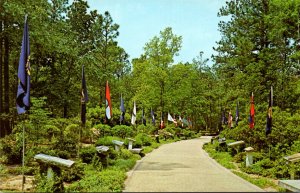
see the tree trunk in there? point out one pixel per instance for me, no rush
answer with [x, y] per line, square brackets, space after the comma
[1, 84]
[6, 85]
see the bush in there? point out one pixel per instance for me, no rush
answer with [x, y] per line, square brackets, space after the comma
[125, 154]
[122, 131]
[240, 157]
[107, 141]
[142, 139]
[124, 164]
[87, 154]
[72, 131]
[11, 149]
[65, 147]
[104, 130]
[51, 131]
[74, 173]
[109, 180]
[43, 184]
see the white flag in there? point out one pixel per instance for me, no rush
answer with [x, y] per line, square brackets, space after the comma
[133, 116]
[170, 118]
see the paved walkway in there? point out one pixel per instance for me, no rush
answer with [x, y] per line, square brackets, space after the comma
[183, 167]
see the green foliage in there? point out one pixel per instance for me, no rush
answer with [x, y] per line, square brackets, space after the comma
[122, 131]
[142, 139]
[11, 149]
[224, 158]
[87, 153]
[124, 164]
[74, 173]
[104, 130]
[107, 141]
[109, 180]
[43, 184]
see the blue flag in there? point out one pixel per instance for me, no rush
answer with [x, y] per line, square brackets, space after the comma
[23, 94]
[122, 109]
[84, 97]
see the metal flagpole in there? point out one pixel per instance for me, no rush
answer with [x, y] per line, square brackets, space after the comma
[23, 155]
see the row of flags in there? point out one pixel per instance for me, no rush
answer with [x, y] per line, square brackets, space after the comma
[84, 100]
[251, 114]
[23, 94]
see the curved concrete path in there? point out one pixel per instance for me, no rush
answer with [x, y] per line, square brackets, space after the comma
[183, 167]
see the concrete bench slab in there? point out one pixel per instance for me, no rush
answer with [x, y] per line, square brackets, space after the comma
[236, 143]
[136, 150]
[293, 158]
[291, 185]
[102, 149]
[54, 160]
[118, 144]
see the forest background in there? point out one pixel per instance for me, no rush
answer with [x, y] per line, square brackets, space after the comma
[259, 48]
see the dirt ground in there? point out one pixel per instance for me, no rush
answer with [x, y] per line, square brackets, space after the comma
[14, 183]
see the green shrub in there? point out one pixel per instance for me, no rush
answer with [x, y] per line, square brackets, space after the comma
[104, 130]
[142, 139]
[240, 157]
[51, 131]
[122, 131]
[125, 154]
[74, 173]
[43, 184]
[11, 148]
[124, 164]
[65, 147]
[87, 154]
[107, 141]
[108, 180]
[72, 131]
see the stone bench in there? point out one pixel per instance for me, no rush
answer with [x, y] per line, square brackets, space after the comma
[102, 149]
[290, 185]
[222, 144]
[52, 160]
[236, 145]
[118, 144]
[133, 150]
[249, 156]
[103, 153]
[51, 166]
[214, 139]
[291, 160]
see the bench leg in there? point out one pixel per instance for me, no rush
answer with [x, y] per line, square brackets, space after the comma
[117, 148]
[130, 145]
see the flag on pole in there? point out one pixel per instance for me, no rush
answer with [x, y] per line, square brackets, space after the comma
[269, 116]
[153, 117]
[237, 114]
[108, 110]
[252, 112]
[161, 125]
[122, 109]
[84, 97]
[23, 93]
[170, 117]
[133, 116]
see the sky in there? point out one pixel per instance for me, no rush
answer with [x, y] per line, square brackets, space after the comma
[140, 20]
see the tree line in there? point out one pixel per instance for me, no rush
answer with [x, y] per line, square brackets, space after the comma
[258, 49]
